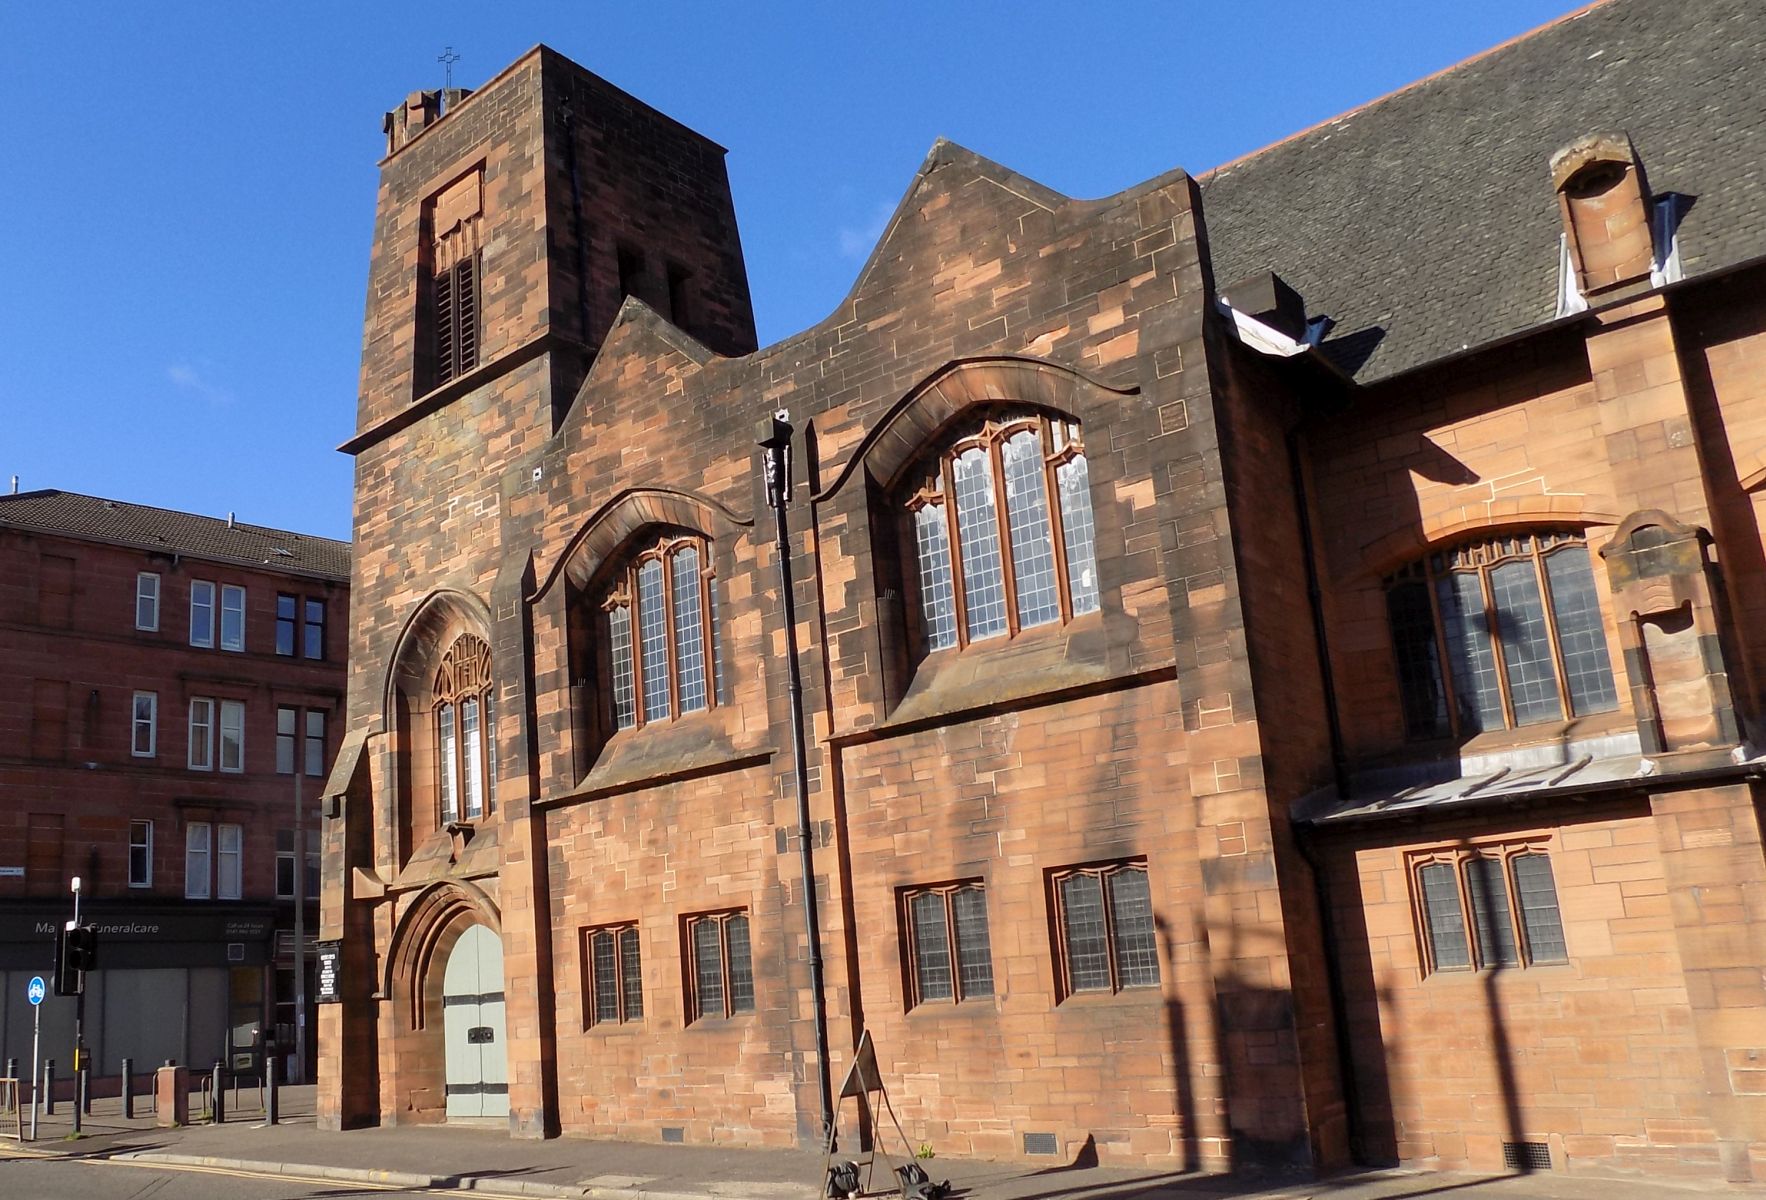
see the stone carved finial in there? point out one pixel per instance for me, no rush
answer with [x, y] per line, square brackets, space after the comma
[1660, 573]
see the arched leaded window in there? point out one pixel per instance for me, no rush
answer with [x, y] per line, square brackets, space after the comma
[1499, 633]
[661, 632]
[1002, 531]
[465, 730]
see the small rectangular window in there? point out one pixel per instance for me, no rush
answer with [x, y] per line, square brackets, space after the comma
[315, 742]
[232, 735]
[1104, 918]
[232, 618]
[229, 859]
[287, 614]
[202, 613]
[615, 976]
[140, 854]
[720, 965]
[285, 864]
[145, 725]
[147, 601]
[287, 721]
[1488, 906]
[201, 755]
[947, 943]
[196, 860]
[313, 630]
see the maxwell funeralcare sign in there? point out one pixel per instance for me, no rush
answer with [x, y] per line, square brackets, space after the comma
[140, 925]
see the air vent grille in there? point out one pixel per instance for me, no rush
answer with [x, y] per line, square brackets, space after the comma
[1526, 1156]
[1040, 1143]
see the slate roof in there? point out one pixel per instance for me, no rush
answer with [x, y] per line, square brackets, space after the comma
[1425, 223]
[71, 514]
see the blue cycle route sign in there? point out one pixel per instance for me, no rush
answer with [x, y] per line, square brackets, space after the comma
[35, 989]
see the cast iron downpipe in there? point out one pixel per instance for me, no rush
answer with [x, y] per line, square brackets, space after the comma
[775, 440]
[1340, 776]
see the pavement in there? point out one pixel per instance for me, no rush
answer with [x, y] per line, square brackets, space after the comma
[484, 1160]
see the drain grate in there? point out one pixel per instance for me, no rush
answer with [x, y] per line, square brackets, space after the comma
[1526, 1156]
[1039, 1143]
[674, 1133]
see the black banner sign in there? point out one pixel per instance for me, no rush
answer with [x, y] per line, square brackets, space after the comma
[329, 972]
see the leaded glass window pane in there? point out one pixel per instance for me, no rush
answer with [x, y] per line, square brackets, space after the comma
[1581, 638]
[984, 584]
[716, 666]
[631, 974]
[1469, 651]
[1526, 642]
[1073, 478]
[974, 951]
[619, 628]
[1446, 921]
[474, 757]
[490, 744]
[1131, 912]
[938, 604]
[606, 976]
[1538, 895]
[653, 640]
[1027, 523]
[1490, 919]
[1088, 950]
[741, 968]
[1419, 666]
[450, 758]
[708, 971]
[689, 637]
[931, 947]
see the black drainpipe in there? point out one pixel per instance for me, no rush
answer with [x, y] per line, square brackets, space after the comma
[1340, 775]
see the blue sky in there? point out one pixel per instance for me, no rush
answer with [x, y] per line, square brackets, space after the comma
[191, 186]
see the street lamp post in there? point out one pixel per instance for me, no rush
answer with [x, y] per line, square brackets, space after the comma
[79, 1009]
[298, 1071]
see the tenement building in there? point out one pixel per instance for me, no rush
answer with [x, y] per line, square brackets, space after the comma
[1283, 650]
[165, 675]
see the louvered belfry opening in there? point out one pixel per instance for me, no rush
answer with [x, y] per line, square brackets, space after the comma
[455, 256]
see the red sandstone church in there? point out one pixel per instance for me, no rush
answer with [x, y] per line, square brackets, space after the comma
[1284, 649]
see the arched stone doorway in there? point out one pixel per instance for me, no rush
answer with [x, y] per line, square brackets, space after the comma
[473, 1029]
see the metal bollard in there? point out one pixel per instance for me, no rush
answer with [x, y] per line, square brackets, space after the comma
[218, 1095]
[49, 1088]
[128, 1089]
[272, 1102]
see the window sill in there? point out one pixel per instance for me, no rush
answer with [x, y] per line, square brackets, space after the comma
[684, 748]
[979, 1008]
[735, 1022]
[1548, 744]
[435, 856]
[632, 1028]
[1001, 673]
[1488, 975]
[1132, 997]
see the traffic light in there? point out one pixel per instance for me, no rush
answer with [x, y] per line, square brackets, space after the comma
[76, 952]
